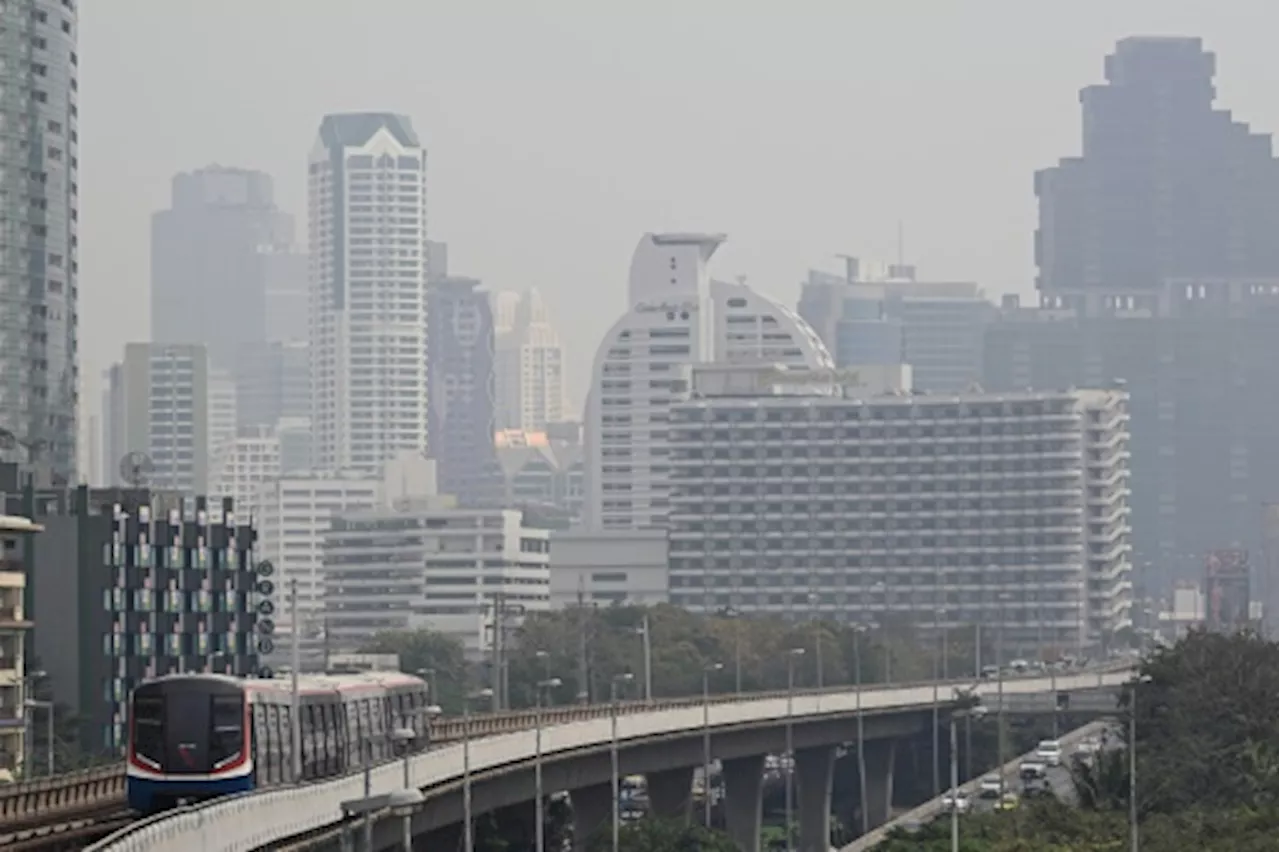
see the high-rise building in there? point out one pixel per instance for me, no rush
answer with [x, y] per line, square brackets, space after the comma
[673, 322]
[251, 458]
[158, 404]
[39, 265]
[529, 371]
[1166, 185]
[278, 385]
[217, 255]
[368, 273]
[460, 389]
[868, 319]
[1199, 360]
[429, 564]
[824, 500]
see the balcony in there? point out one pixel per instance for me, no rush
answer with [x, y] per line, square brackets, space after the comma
[11, 619]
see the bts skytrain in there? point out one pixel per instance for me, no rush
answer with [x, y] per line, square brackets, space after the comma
[199, 736]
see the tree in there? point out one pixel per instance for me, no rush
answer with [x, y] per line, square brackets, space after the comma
[657, 835]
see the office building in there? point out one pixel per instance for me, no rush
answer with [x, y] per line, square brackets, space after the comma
[935, 326]
[276, 385]
[529, 365]
[130, 584]
[429, 564]
[158, 404]
[608, 568]
[460, 389]
[367, 236]
[1166, 185]
[40, 266]
[1200, 363]
[292, 514]
[806, 500]
[223, 415]
[15, 624]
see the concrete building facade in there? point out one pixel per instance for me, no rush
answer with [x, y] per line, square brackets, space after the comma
[40, 266]
[430, 564]
[986, 509]
[460, 387]
[158, 404]
[368, 273]
[608, 568]
[529, 365]
[15, 625]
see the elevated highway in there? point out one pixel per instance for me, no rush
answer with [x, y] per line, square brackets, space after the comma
[662, 739]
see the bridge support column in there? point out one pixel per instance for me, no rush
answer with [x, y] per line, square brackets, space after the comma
[670, 793]
[592, 812]
[813, 782]
[743, 781]
[879, 757]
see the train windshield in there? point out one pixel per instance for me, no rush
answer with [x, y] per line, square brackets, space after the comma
[188, 726]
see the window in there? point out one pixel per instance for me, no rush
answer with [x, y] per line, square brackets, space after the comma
[226, 741]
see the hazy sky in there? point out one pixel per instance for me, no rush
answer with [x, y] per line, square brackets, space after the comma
[559, 131]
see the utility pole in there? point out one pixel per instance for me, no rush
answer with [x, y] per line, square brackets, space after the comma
[495, 675]
[584, 687]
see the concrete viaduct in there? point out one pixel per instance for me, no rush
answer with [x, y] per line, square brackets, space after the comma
[663, 740]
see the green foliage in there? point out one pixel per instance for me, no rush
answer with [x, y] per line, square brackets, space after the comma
[657, 835]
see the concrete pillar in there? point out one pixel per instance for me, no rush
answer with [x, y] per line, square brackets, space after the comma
[813, 785]
[592, 812]
[743, 780]
[670, 793]
[879, 759]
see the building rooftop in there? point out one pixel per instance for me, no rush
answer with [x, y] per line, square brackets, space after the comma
[351, 129]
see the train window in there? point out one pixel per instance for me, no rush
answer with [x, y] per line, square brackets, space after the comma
[148, 728]
[227, 741]
[260, 742]
[286, 742]
[273, 738]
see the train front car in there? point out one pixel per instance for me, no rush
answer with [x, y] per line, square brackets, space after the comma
[188, 741]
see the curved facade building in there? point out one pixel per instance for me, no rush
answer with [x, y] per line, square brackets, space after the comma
[38, 259]
[635, 377]
[678, 317]
[752, 329]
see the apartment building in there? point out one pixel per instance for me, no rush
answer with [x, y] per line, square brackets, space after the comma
[806, 498]
[14, 625]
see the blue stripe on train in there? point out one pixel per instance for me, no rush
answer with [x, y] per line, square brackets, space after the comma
[147, 795]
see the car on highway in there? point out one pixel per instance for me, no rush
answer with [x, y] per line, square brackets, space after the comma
[1007, 802]
[990, 787]
[989, 672]
[959, 802]
[1050, 752]
[1032, 770]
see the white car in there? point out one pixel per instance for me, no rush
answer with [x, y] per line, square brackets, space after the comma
[1032, 770]
[1050, 751]
[990, 787]
[960, 803]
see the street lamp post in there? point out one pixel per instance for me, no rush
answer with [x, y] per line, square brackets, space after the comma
[971, 709]
[817, 639]
[647, 651]
[47, 707]
[858, 630]
[295, 700]
[616, 817]
[1003, 597]
[468, 830]
[789, 765]
[546, 686]
[706, 740]
[1133, 760]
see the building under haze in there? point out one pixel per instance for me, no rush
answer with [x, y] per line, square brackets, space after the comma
[1166, 185]
[367, 231]
[460, 389]
[224, 272]
[157, 426]
[675, 320]
[39, 265]
[529, 363]
[820, 499]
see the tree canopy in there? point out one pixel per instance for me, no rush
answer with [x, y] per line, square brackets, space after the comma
[657, 835]
[1206, 753]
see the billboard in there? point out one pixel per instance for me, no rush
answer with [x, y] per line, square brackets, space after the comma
[1226, 589]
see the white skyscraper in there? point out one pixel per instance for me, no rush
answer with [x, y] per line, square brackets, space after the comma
[368, 271]
[529, 381]
[676, 319]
